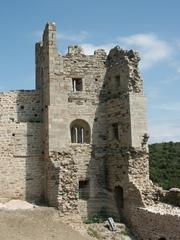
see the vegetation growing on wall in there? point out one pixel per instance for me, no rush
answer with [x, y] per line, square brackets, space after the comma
[165, 164]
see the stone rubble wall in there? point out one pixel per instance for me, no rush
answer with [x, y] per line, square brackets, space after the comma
[21, 162]
[154, 225]
[125, 63]
[62, 181]
[171, 196]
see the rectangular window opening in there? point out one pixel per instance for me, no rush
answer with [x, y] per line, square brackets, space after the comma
[117, 81]
[77, 84]
[115, 131]
[84, 189]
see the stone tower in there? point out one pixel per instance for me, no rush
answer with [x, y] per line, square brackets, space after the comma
[94, 128]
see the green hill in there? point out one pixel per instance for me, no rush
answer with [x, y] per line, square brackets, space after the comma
[165, 164]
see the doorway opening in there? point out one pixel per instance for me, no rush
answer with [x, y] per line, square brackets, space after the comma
[119, 198]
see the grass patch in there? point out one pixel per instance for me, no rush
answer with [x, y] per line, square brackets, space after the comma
[94, 233]
[99, 217]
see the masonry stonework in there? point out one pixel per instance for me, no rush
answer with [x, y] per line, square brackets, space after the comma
[21, 165]
[79, 141]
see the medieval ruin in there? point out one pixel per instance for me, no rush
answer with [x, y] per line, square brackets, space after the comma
[79, 141]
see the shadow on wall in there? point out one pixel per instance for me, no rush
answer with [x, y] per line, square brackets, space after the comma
[28, 144]
[109, 164]
[100, 196]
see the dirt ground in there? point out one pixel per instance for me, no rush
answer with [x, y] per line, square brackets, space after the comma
[37, 224]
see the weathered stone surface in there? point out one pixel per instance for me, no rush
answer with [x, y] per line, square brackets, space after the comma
[62, 182]
[21, 160]
[172, 196]
[156, 222]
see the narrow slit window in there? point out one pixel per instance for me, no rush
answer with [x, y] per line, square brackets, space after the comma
[115, 130]
[84, 189]
[77, 84]
[117, 81]
[74, 134]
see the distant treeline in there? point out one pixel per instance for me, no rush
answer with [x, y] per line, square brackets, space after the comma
[165, 164]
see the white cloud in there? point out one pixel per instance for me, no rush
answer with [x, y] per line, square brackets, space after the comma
[79, 37]
[150, 46]
[168, 128]
[90, 48]
[164, 132]
[152, 49]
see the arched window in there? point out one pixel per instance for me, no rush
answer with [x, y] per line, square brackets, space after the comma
[80, 131]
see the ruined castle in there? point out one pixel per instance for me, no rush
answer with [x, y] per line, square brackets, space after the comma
[79, 141]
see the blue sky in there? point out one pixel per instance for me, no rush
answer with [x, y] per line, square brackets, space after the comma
[151, 27]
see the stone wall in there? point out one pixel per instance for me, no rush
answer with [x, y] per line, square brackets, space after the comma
[155, 223]
[21, 162]
[62, 182]
[137, 106]
[171, 196]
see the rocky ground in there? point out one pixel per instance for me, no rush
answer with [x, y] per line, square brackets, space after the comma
[40, 223]
[101, 231]
[164, 208]
[24, 221]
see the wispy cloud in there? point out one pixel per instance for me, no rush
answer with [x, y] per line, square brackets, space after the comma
[150, 46]
[90, 48]
[79, 37]
[164, 132]
[174, 106]
[152, 49]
